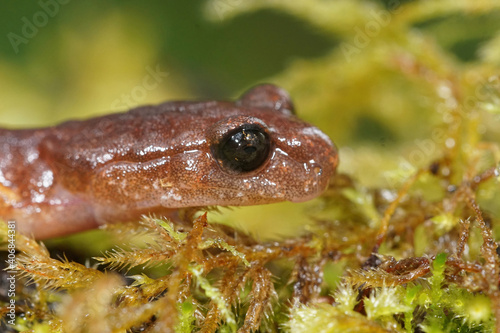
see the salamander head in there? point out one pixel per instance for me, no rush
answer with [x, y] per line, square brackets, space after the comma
[257, 151]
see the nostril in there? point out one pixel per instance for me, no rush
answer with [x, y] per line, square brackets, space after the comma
[314, 168]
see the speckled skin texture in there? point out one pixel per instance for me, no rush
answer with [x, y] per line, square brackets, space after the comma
[155, 159]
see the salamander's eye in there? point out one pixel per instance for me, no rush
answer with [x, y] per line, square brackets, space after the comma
[243, 149]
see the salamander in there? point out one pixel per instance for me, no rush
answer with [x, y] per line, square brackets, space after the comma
[82, 174]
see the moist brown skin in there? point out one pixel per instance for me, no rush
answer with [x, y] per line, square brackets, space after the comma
[155, 159]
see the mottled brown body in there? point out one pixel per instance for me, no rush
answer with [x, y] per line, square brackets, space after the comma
[155, 159]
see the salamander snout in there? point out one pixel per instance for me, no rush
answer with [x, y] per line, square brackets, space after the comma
[315, 173]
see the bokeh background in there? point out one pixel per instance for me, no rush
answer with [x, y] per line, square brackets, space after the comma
[370, 74]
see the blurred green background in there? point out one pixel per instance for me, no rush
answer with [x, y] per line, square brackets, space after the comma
[90, 53]
[76, 59]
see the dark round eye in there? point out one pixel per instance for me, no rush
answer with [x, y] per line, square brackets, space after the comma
[243, 149]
